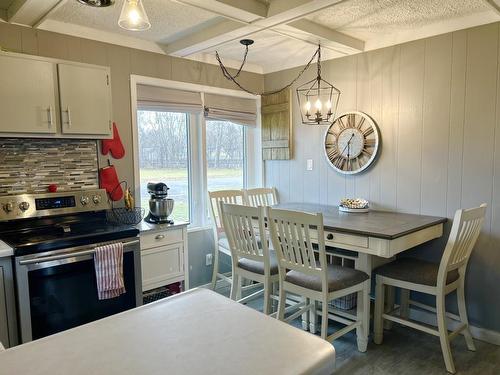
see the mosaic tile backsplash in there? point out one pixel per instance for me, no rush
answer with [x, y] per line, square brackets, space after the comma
[30, 165]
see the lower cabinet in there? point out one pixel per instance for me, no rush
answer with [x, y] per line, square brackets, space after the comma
[8, 322]
[164, 258]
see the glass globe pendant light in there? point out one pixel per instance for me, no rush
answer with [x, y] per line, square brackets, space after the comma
[318, 99]
[133, 16]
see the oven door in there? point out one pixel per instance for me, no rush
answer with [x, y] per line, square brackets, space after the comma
[58, 290]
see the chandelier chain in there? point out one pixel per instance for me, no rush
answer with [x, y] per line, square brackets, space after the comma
[232, 78]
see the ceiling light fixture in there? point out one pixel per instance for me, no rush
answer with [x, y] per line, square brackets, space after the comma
[97, 3]
[133, 16]
[318, 99]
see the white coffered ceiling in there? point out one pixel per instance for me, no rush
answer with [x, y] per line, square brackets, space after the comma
[285, 31]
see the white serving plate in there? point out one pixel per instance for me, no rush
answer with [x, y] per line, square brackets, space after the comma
[351, 210]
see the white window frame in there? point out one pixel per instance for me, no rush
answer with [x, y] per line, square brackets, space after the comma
[198, 197]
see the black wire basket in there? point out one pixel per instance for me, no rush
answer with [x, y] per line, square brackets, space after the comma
[122, 215]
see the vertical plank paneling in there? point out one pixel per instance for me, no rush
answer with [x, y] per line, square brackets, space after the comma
[389, 127]
[376, 84]
[410, 126]
[436, 119]
[480, 116]
[363, 104]
[477, 182]
[456, 132]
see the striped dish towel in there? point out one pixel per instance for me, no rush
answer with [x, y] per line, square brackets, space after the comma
[108, 262]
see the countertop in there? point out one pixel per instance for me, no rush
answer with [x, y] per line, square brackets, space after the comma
[171, 336]
[5, 250]
[147, 227]
[380, 224]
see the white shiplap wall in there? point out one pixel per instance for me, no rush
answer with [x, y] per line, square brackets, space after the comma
[437, 103]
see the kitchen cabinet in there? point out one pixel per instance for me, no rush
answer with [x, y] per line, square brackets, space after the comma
[49, 98]
[164, 256]
[28, 96]
[85, 99]
[8, 322]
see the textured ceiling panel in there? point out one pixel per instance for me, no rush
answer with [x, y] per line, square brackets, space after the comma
[389, 15]
[169, 20]
[273, 51]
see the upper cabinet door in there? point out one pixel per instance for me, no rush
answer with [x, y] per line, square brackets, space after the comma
[85, 100]
[28, 96]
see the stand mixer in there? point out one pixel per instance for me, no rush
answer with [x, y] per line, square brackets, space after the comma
[160, 207]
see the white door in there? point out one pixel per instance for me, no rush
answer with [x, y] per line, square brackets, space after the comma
[28, 96]
[85, 100]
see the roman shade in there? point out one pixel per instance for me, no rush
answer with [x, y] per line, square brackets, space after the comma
[229, 108]
[161, 98]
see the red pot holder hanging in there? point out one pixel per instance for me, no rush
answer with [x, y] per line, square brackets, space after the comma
[108, 179]
[114, 145]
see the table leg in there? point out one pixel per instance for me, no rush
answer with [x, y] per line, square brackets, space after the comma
[364, 263]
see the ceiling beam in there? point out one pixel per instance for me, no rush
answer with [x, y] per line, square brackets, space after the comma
[313, 31]
[31, 12]
[281, 12]
[246, 11]
[494, 4]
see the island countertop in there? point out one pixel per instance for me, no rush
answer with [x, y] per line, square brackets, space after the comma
[172, 336]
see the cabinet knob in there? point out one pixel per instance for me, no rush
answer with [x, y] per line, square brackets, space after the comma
[329, 236]
[160, 237]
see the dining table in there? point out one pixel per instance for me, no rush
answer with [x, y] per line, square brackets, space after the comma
[370, 238]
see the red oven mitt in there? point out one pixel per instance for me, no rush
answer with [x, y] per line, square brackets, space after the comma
[108, 179]
[114, 145]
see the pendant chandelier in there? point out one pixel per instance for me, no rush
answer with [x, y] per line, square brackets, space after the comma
[318, 99]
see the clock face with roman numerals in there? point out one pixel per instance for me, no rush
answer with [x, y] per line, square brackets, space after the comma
[351, 142]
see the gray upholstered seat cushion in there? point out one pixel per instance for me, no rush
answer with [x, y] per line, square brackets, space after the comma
[414, 271]
[258, 267]
[338, 278]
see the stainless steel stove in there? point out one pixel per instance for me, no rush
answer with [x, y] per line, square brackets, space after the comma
[54, 237]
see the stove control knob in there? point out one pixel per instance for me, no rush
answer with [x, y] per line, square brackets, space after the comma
[24, 206]
[84, 200]
[96, 199]
[8, 207]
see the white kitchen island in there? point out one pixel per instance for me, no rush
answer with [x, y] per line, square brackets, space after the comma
[196, 332]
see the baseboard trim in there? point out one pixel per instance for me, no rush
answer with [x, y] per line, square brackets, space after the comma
[482, 334]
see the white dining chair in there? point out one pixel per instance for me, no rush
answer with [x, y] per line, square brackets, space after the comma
[316, 280]
[435, 279]
[251, 257]
[221, 243]
[261, 196]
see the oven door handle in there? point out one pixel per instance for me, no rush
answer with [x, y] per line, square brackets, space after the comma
[66, 255]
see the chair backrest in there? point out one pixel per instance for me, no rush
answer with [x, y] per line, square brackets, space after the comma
[291, 236]
[466, 228]
[218, 197]
[261, 196]
[245, 240]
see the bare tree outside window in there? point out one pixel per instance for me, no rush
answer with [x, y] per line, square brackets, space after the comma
[225, 155]
[164, 157]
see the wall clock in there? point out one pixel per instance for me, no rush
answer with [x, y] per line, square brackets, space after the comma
[352, 142]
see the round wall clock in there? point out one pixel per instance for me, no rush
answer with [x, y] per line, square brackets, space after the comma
[352, 142]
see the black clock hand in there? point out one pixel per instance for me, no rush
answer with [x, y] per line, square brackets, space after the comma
[348, 142]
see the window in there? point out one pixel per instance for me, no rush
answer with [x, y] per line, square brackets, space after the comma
[225, 152]
[164, 157]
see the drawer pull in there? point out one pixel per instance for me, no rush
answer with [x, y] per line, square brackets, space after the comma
[160, 237]
[329, 236]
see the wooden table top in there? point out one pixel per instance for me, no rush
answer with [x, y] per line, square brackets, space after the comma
[381, 224]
